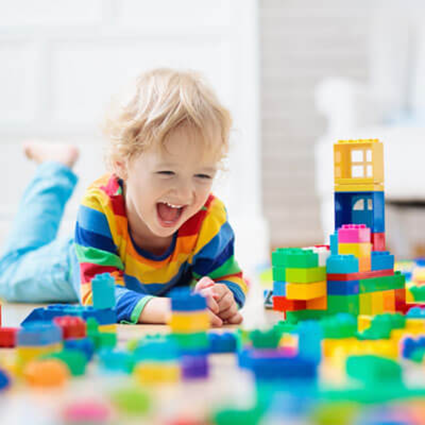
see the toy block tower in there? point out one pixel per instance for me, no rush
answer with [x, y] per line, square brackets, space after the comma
[359, 187]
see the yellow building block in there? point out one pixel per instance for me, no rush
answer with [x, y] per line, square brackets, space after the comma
[365, 304]
[331, 346]
[359, 250]
[415, 326]
[377, 303]
[108, 328]
[358, 162]
[409, 296]
[26, 354]
[289, 341]
[372, 187]
[363, 322]
[157, 372]
[305, 291]
[320, 303]
[189, 322]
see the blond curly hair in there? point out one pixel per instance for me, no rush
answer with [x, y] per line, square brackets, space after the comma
[160, 101]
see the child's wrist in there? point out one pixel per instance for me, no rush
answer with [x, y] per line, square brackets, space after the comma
[157, 310]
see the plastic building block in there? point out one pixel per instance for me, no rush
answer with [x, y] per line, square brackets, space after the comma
[300, 315]
[310, 336]
[323, 252]
[416, 313]
[71, 326]
[320, 303]
[333, 239]
[8, 337]
[279, 273]
[103, 340]
[360, 275]
[410, 345]
[343, 304]
[191, 322]
[359, 250]
[308, 275]
[188, 342]
[373, 370]
[117, 361]
[349, 287]
[265, 339]
[285, 304]
[46, 373]
[152, 373]
[225, 342]
[339, 326]
[132, 401]
[371, 187]
[294, 258]
[238, 416]
[342, 264]
[38, 334]
[418, 293]
[83, 345]
[161, 350]
[364, 264]
[87, 411]
[103, 289]
[74, 359]
[195, 367]
[358, 162]
[5, 381]
[183, 300]
[354, 233]
[279, 289]
[378, 241]
[305, 291]
[382, 260]
[360, 208]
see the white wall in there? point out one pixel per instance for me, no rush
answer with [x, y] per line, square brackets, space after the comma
[60, 62]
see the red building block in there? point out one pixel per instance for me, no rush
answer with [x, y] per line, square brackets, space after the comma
[8, 337]
[72, 326]
[378, 242]
[400, 301]
[283, 304]
[358, 276]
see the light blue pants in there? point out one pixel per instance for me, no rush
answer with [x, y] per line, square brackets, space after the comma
[34, 264]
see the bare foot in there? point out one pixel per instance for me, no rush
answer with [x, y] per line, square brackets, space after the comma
[42, 152]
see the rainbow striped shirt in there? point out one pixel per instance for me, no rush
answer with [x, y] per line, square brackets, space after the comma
[203, 246]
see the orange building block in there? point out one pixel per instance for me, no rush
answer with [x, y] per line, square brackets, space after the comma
[320, 303]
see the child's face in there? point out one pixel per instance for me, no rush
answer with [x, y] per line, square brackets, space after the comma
[165, 187]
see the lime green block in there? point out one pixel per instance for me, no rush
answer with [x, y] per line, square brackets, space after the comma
[294, 258]
[343, 304]
[339, 326]
[308, 275]
[334, 413]
[279, 274]
[131, 400]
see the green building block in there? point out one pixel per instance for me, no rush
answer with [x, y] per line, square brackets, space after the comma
[374, 370]
[334, 413]
[418, 355]
[192, 341]
[339, 326]
[307, 275]
[343, 304]
[295, 258]
[74, 359]
[266, 339]
[300, 315]
[285, 327]
[279, 274]
[103, 340]
[237, 417]
[418, 293]
[131, 400]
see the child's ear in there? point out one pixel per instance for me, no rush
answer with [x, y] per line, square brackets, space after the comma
[120, 168]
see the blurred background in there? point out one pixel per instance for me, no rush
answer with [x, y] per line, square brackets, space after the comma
[297, 75]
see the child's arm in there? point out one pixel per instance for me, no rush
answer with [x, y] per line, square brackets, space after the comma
[214, 258]
[96, 252]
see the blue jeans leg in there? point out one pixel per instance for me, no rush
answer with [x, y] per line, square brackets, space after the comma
[34, 265]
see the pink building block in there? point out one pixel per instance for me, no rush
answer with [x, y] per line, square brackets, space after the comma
[354, 233]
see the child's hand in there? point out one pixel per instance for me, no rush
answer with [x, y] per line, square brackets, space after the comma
[204, 287]
[222, 297]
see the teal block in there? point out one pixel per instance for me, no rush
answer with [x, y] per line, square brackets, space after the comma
[103, 289]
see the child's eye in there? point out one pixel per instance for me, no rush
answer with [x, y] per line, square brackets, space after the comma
[166, 173]
[204, 176]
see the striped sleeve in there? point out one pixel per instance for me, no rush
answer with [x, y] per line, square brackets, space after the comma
[96, 252]
[214, 254]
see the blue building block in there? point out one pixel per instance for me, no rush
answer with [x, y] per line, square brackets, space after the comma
[159, 351]
[84, 345]
[103, 289]
[222, 343]
[334, 243]
[382, 260]
[103, 317]
[409, 345]
[4, 380]
[416, 313]
[348, 287]
[342, 264]
[310, 335]
[279, 289]
[360, 208]
[116, 361]
[38, 333]
[184, 300]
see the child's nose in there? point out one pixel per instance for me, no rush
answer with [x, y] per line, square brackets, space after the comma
[185, 192]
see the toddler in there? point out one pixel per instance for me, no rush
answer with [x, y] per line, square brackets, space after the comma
[152, 222]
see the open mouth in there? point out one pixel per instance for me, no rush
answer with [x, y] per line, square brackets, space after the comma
[169, 214]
